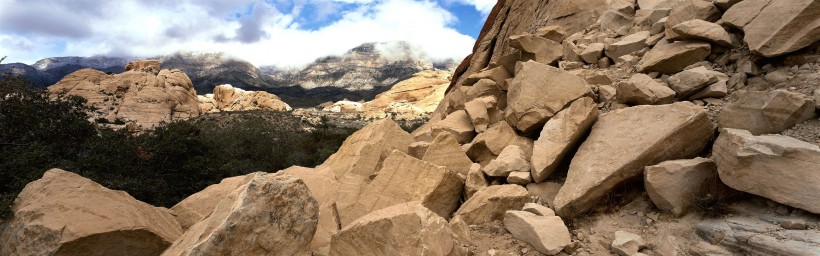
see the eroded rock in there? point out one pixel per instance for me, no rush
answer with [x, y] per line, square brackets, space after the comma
[765, 112]
[559, 135]
[492, 202]
[528, 108]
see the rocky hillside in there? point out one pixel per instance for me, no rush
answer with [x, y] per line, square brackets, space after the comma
[49, 71]
[587, 127]
[208, 70]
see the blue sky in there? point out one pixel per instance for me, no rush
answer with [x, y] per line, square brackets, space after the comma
[265, 32]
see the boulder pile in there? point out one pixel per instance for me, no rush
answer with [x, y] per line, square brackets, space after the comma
[227, 98]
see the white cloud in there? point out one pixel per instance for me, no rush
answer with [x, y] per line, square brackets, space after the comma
[483, 6]
[270, 36]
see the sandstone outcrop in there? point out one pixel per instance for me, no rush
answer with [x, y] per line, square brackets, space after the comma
[766, 112]
[402, 229]
[777, 167]
[229, 98]
[198, 206]
[773, 28]
[271, 214]
[528, 108]
[65, 214]
[676, 185]
[559, 135]
[674, 57]
[643, 135]
[144, 98]
[492, 202]
[547, 234]
[409, 99]
[403, 179]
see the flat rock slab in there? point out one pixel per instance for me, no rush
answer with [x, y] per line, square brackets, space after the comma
[528, 107]
[547, 234]
[676, 185]
[773, 28]
[492, 202]
[559, 135]
[778, 167]
[674, 57]
[623, 142]
[766, 112]
[752, 236]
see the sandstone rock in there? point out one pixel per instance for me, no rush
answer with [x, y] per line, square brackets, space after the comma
[361, 155]
[484, 88]
[717, 90]
[413, 98]
[519, 178]
[198, 206]
[445, 151]
[554, 33]
[690, 10]
[592, 53]
[489, 144]
[403, 179]
[726, 4]
[545, 191]
[475, 181]
[616, 21]
[477, 109]
[641, 89]
[497, 75]
[491, 203]
[773, 28]
[648, 17]
[688, 82]
[323, 188]
[627, 45]
[458, 124]
[528, 108]
[147, 66]
[650, 4]
[627, 244]
[752, 236]
[571, 51]
[701, 30]
[65, 214]
[765, 112]
[642, 135]
[418, 149]
[134, 97]
[228, 98]
[511, 159]
[607, 93]
[674, 57]
[547, 234]
[676, 185]
[403, 229]
[777, 167]
[271, 213]
[559, 135]
[545, 51]
[538, 209]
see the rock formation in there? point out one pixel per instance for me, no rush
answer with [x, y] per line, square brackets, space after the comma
[65, 214]
[144, 96]
[228, 98]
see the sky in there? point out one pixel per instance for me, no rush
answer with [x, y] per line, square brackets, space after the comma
[284, 33]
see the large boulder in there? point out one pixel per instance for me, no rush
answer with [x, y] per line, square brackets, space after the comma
[402, 229]
[528, 107]
[65, 214]
[686, 10]
[543, 50]
[676, 185]
[773, 28]
[702, 30]
[458, 124]
[623, 142]
[403, 179]
[324, 188]
[641, 89]
[361, 155]
[627, 45]
[490, 203]
[781, 168]
[690, 81]
[229, 98]
[198, 206]
[139, 96]
[512, 159]
[674, 57]
[489, 144]
[560, 135]
[445, 151]
[272, 214]
[766, 112]
[547, 234]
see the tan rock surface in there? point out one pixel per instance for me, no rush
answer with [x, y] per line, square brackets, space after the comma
[476, 180]
[765, 112]
[528, 108]
[445, 151]
[674, 57]
[198, 206]
[271, 214]
[559, 135]
[403, 179]
[543, 50]
[458, 124]
[511, 159]
[145, 99]
[65, 214]
[323, 188]
[627, 45]
[402, 229]
[489, 144]
[412, 98]
[623, 142]
[690, 81]
[641, 89]
[547, 234]
[676, 185]
[545, 191]
[685, 10]
[781, 168]
[701, 30]
[774, 28]
[229, 98]
[492, 202]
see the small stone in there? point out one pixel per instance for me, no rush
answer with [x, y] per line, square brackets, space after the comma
[627, 244]
[592, 53]
[547, 234]
[511, 159]
[519, 178]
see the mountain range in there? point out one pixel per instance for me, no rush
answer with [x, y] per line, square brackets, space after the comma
[359, 74]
